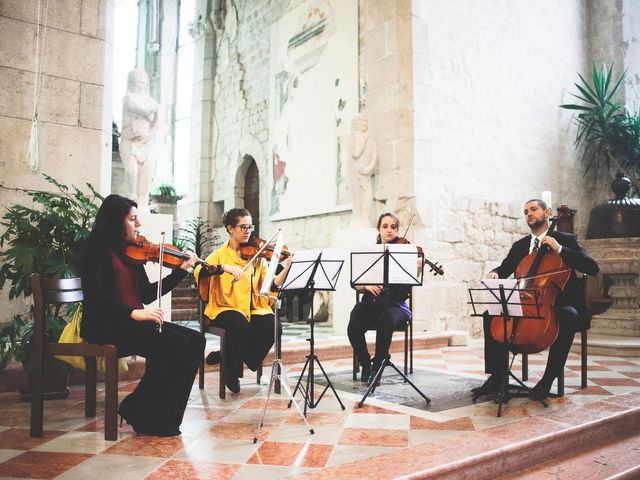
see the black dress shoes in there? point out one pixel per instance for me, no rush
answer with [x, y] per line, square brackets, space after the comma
[542, 389]
[233, 384]
[213, 358]
[493, 384]
[366, 372]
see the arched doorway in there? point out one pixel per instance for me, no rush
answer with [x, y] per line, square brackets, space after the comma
[252, 192]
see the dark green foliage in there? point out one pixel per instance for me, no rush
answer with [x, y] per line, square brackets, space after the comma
[199, 237]
[47, 239]
[609, 131]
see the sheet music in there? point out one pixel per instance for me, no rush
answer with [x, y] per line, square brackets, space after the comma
[367, 265]
[271, 269]
[403, 263]
[491, 296]
[326, 274]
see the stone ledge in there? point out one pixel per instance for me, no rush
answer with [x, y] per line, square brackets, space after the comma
[505, 449]
[611, 345]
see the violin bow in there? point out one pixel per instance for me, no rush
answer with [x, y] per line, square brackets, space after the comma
[409, 225]
[260, 250]
[160, 260]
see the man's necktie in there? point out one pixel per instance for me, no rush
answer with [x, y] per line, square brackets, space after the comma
[536, 243]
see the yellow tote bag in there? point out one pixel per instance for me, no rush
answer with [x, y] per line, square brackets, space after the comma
[71, 334]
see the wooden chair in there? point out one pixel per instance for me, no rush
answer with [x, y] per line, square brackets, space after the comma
[206, 326]
[57, 292]
[408, 340]
[583, 348]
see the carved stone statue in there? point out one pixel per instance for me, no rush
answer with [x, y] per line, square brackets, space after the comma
[363, 160]
[139, 125]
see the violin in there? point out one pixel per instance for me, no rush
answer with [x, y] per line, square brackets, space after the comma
[542, 276]
[256, 244]
[433, 266]
[140, 251]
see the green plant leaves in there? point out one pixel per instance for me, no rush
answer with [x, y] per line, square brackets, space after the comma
[608, 131]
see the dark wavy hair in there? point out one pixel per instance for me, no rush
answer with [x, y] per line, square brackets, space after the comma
[109, 223]
[230, 218]
[386, 214]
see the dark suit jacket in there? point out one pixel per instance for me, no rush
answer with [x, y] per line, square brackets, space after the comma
[573, 255]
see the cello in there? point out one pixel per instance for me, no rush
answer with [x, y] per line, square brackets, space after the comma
[542, 276]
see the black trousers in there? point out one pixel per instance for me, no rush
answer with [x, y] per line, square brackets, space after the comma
[247, 341]
[369, 316]
[172, 361]
[496, 356]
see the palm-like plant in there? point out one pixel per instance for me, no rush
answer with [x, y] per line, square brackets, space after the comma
[609, 131]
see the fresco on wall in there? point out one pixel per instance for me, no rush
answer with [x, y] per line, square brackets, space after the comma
[313, 95]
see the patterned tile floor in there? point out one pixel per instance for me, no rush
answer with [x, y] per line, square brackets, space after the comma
[217, 439]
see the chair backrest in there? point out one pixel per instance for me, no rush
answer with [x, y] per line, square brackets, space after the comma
[51, 291]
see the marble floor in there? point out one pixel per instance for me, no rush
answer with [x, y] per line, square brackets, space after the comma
[217, 435]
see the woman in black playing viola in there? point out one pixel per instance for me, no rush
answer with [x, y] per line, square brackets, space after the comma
[114, 311]
[383, 310]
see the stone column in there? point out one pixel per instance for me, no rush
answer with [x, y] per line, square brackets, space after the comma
[620, 267]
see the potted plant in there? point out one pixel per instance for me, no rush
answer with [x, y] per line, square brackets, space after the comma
[609, 132]
[46, 239]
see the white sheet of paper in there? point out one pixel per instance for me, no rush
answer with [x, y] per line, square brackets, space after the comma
[403, 264]
[326, 273]
[491, 298]
[367, 265]
[271, 269]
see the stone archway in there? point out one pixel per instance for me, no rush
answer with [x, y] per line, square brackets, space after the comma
[252, 192]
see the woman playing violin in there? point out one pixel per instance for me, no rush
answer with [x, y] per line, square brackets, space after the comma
[115, 294]
[234, 300]
[383, 310]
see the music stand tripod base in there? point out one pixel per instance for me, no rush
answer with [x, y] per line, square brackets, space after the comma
[376, 381]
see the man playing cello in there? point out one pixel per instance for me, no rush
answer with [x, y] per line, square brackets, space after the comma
[570, 308]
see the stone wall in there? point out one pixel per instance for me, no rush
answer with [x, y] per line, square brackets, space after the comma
[74, 119]
[488, 134]
[462, 101]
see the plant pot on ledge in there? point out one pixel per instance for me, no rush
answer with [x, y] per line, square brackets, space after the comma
[167, 204]
[55, 385]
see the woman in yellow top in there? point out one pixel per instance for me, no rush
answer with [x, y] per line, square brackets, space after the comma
[234, 301]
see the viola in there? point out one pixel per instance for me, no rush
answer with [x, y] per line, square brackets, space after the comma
[250, 249]
[433, 266]
[542, 275]
[140, 251]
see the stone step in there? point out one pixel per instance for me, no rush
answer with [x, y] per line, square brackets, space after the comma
[614, 345]
[618, 459]
[508, 449]
[183, 314]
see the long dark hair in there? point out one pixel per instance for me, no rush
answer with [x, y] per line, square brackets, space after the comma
[109, 223]
[386, 214]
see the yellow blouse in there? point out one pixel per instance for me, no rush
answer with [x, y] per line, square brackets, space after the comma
[243, 295]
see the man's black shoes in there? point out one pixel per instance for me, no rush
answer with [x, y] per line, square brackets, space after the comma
[492, 385]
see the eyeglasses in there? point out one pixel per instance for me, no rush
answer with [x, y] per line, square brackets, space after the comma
[246, 228]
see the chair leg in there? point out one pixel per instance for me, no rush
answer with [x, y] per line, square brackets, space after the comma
[111, 398]
[201, 374]
[90, 387]
[406, 351]
[222, 392]
[37, 397]
[525, 367]
[583, 358]
[561, 383]
[411, 347]
[259, 374]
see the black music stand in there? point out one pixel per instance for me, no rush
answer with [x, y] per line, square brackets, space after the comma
[387, 268]
[278, 371]
[311, 272]
[502, 301]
